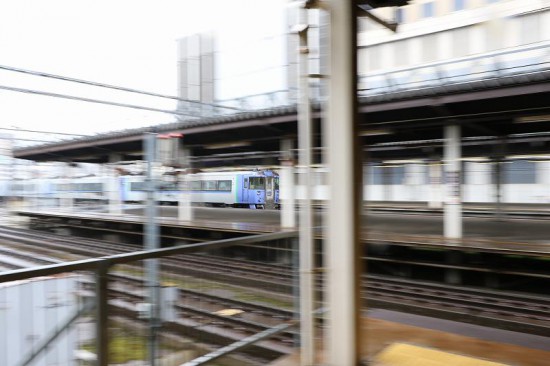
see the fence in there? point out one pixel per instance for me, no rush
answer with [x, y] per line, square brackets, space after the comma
[99, 301]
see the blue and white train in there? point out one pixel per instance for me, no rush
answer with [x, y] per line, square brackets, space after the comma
[250, 189]
[524, 180]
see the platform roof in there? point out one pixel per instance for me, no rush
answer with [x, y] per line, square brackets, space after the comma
[395, 125]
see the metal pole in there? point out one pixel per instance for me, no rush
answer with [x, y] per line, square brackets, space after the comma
[307, 252]
[343, 248]
[152, 242]
[453, 205]
[102, 325]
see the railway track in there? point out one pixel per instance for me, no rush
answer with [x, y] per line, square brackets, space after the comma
[515, 311]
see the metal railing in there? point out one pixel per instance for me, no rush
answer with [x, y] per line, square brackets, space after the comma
[485, 66]
[489, 65]
[101, 271]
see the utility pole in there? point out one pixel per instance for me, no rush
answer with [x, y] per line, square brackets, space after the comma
[152, 242]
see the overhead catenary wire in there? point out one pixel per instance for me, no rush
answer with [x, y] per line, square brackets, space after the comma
[23, 139]
[97, 101]
[109, 86]
[48, 132]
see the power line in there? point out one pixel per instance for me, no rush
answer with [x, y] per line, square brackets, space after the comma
[89, 100]
[48, 132]
[21, 139]
[108, 86]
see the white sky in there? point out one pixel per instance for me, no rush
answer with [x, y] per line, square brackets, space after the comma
[130, 43]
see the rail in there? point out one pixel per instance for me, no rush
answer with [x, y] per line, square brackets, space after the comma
[100, 267]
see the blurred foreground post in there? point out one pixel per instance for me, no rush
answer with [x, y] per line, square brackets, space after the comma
[342, 248]
[307, 244]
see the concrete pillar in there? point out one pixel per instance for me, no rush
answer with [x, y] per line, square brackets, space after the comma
[185, 208]
[114, 157]
[66, 200]
[497, 174]
[453, 205]
[453, 276]
[287, 186]
[387, 181]
[500, 154]
[343, 247]
[434, 171]
[114, 192]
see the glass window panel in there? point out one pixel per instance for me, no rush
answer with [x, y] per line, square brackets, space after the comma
[257, 183]
[209, 185]
[428, 10]
[224, 185]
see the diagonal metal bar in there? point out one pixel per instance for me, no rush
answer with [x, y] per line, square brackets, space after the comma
[248, 341]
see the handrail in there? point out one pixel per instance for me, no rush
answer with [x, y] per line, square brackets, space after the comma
[523, 48]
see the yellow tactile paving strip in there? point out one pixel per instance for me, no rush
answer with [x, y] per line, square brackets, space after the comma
[381, 334]
[400, 354]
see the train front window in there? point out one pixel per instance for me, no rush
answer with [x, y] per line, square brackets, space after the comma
[257, 183]
[276, 180]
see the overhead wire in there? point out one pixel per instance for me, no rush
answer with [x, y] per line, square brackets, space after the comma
[109, 86]
[90, 100]
[48, 132]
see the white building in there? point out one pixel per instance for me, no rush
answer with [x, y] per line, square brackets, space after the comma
[254, 65]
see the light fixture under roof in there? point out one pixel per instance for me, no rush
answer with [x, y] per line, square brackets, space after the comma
[225, 145]
[533, 119]
[375, 132]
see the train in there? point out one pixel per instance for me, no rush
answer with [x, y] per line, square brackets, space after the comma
[522, 181]
[255, 189]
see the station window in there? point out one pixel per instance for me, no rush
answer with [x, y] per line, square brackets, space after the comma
[224, 185]
[375, 175]
[428, 10]
[459, 4]
[397, 175]
[519, 172]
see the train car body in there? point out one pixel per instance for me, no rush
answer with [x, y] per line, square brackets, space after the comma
[522, 181]
[253, 189]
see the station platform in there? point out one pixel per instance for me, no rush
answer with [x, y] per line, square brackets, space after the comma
[398, 339]
[485, 234]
